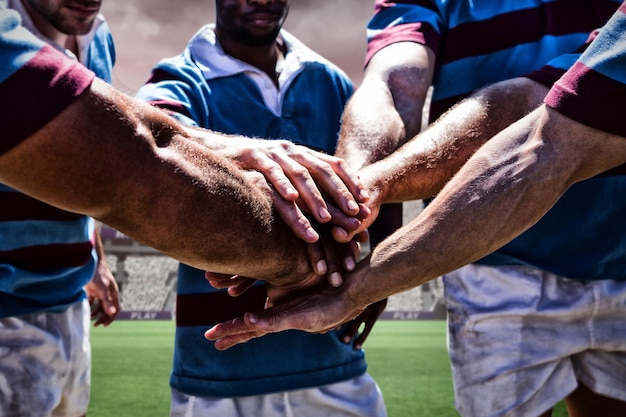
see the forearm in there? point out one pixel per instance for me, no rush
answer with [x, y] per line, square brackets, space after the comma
[426, 163]
[502, 190]
[147, 178]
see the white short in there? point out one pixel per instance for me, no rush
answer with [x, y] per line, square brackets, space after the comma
[45, 363]
[521, 338]
[358, 397]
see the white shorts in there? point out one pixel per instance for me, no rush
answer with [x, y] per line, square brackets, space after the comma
[521, 338]
[358, 397]
[45, 363]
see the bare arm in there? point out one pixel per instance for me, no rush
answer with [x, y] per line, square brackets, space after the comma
[386, 109]
[502, 190]
[162, 187]
[421, 167]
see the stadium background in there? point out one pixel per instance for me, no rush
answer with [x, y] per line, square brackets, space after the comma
[148, 30]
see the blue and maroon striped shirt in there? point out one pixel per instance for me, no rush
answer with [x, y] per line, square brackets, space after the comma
[46, 254]
[593, 91]
[481, 42]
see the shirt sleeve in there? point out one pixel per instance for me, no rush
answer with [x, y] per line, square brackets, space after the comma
[36, 82]
[593, 90]
[407, 21]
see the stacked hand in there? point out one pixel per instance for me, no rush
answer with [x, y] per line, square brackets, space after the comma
[325, 205]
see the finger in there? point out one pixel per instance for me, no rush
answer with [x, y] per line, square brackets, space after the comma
[299, 224]
[340, 219]
[350, 253]
[334, 264]
[349, 178]
[358, 343]
[351, 329]
[308, 189]
[235, 284]
[288, 210]
[104, 320]
[344, 235]
[112, 303]
[222, 280]
[240, 288]
[274, 173]
[233, 332]
[316, 258]
[331, 182]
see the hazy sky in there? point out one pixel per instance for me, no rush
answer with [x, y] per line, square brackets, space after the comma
[148, 30]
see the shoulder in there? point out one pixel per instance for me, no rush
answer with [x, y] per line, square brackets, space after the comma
[313, 60]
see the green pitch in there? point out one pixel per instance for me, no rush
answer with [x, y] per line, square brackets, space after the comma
[408, 359]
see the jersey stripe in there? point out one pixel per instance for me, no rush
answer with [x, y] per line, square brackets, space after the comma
[41, 89]
[48, 257]
[18, 206]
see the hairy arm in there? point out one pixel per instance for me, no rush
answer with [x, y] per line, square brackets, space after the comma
[162, 186]
[505, 187]
[421, 167]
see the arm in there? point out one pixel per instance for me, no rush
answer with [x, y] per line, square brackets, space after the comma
[421, 167]
[502, 190]
[387, 107]
[163, 188]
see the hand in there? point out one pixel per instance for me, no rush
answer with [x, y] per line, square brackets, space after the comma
[289, 211]
[368, 318]
[103, 294]
[236, 284]
[331, 258]
[346, 233]
[299, 172]
[315, 310]
[327, 258]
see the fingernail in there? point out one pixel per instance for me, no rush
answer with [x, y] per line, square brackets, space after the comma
[364, 195]
[340, 234]
[335, 279]
[321, 267]
[253, 318]
[324, 213]
[311, 233]
[349, 263]
[352, 205]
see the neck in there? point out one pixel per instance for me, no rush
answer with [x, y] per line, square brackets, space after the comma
[263, 57]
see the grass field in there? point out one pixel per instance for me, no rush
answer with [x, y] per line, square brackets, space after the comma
[408, 359]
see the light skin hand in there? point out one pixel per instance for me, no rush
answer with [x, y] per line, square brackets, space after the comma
[296, 171]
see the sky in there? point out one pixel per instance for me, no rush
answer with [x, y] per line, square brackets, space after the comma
[148, 30]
